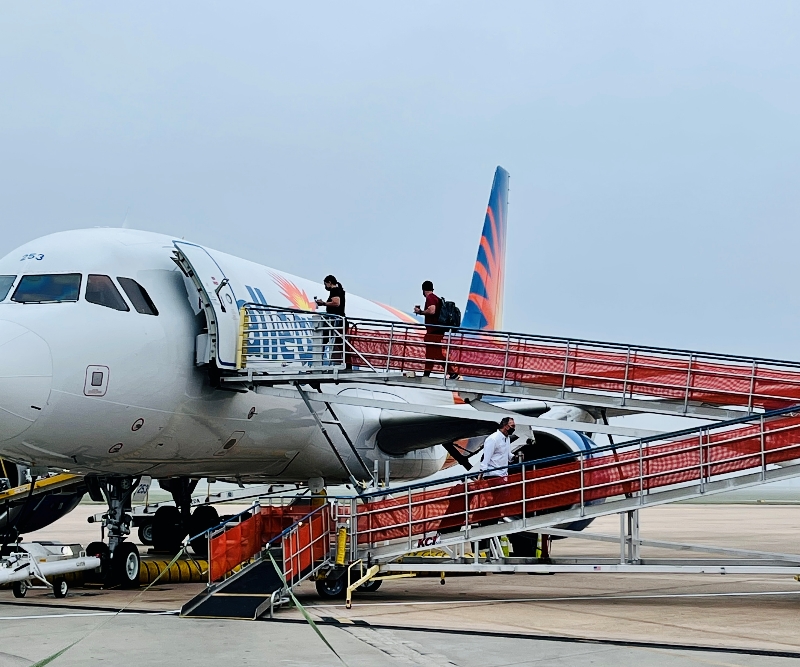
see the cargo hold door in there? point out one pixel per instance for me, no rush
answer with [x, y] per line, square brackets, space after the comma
[217, 300]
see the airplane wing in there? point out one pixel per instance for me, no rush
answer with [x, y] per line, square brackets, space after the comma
[401, 432]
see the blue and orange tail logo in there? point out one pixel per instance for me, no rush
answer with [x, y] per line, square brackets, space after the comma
[485, 306]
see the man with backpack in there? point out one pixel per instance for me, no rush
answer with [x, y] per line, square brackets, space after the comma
[434, 332]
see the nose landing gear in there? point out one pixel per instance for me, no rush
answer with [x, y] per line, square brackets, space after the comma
[120, 559]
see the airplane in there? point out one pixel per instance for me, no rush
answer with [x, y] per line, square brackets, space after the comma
[104, 372]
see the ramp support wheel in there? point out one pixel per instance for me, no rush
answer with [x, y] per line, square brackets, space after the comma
[60, 587]
[20, 589]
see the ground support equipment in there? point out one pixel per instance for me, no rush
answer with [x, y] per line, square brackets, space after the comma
[46, 563]
[466, 516]
[278, 346]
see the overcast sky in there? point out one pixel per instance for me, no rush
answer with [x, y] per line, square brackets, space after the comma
[653, 149]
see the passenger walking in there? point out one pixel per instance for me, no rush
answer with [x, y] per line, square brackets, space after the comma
[334, 326]
[434, 336]
[497, 450]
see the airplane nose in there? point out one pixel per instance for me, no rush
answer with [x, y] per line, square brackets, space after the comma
[26, 373]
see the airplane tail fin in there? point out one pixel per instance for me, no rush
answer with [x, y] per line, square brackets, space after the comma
[485, 305]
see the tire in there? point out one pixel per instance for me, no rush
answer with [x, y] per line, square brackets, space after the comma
[99, 550]
[371, 586]
[203, 518]
[168, 529]
[20, 589]
[146, 533]
[524, 544]
[60, 587]
[125, 564]
[332, 588]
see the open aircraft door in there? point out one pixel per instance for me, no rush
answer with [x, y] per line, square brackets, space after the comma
[216, 299]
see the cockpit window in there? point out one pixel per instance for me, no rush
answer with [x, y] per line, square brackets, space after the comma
[48, 288]
[5, 285]
[102, 291]
[139, 297]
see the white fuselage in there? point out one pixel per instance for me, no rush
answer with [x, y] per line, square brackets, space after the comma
[156, 412]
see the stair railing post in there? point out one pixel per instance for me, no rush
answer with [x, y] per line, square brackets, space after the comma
[581, 463]
[702, 481]
[566, 368]
[410, 519]
[466, 507]
[641, 473]
[505, 363]
[627, 368]
[762, 446]
[353, 520]
[389, 349]
[446, 358]
[752, 387]
[688, 384]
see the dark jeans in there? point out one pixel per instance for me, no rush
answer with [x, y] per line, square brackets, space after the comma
[333, 334]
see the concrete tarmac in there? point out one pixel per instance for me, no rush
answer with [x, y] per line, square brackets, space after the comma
[575, 619]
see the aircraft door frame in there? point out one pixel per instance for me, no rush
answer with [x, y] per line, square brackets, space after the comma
[217, 298]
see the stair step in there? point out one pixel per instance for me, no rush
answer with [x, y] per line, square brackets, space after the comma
[229, 606]
[240, 596]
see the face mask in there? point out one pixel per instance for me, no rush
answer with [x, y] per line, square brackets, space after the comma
[510, 432]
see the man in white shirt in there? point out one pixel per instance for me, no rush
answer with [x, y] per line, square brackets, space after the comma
[497, 450]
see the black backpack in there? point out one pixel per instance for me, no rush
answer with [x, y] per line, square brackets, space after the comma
[449, 315]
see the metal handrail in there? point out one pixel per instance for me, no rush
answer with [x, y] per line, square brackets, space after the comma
[539, 337]
[703, 450]
[565, 363]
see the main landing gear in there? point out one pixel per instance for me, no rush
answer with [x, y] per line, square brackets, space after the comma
[120, 559]
[171, 524]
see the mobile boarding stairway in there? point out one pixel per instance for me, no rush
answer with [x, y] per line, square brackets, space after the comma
[277, 346]
[378, 535]
[288, 353]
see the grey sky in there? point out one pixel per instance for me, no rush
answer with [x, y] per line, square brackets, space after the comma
[653, 149]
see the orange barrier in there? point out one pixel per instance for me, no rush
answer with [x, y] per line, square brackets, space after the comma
[241, 541]
[308, 543]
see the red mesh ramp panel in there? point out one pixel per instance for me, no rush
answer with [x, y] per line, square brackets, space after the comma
[673, 375]
[558, 487]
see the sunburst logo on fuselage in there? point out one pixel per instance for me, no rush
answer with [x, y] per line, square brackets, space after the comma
[405, 317]
[293, 294]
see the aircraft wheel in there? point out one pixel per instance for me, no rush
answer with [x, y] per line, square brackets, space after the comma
[203, 518]
[371, 586]
[168, 530]
[332, 588]
[60, 587]
[20, 589]
[524, 544]
[146, 533]
[98, 550]
[125, 564]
